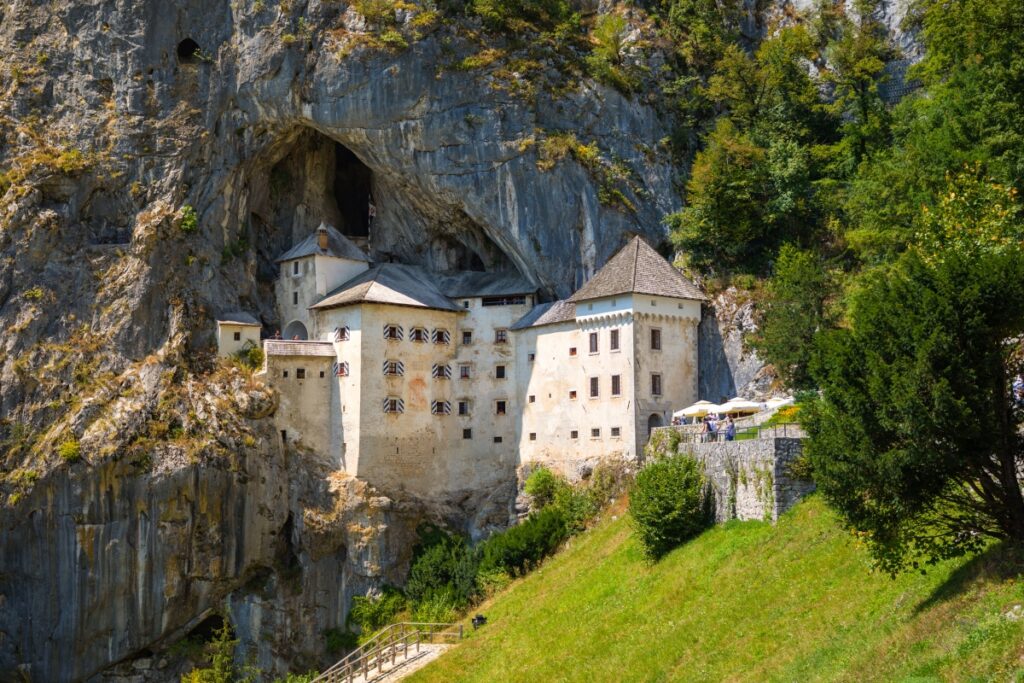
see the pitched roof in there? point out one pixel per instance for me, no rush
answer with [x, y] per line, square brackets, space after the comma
[547, 314]
[637, 267]
[238, 318]
[390, 283]
[337, 245]
[299, 348]
[471, 283]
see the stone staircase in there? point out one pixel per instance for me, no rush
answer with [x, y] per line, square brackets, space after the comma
[393, 653]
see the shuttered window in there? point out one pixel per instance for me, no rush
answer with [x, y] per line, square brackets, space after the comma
[394, 368]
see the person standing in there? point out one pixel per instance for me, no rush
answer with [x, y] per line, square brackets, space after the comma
[730, 429]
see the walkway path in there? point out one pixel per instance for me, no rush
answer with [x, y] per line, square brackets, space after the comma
[404, 667]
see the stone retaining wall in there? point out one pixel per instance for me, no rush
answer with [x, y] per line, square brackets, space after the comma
[751, 479]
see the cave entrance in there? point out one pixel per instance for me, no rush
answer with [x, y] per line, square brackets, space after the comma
[353, 193]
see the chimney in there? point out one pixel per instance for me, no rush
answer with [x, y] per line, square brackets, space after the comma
[321, 237]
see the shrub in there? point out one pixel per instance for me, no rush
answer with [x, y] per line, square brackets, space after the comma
[442, 562]
[251, 357]
[371, 614]
[70, 451]
[577, 505]
[337, 640]
[521, 547]
[670, 503]
[519, 14]
[543, 485]
[441, 606]
[189, 220]
[222, 668]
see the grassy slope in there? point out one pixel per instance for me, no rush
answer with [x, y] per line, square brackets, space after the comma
[745, 601]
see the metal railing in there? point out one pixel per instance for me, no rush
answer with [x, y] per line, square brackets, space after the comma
[388, 646]
[691, 433]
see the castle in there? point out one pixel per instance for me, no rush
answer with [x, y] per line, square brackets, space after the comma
[437, 383]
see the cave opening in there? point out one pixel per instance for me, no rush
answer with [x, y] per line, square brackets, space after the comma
[188, 51]
[353, 193]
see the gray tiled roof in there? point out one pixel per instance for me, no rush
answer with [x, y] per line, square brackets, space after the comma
[390, 283]
[337, 245]
[547, 314]
[470, 283]
[637, 267]
[238, 318]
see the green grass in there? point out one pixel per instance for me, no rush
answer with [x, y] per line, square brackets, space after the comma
[746, 601]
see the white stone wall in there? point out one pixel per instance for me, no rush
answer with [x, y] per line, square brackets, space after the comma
[227, 345]
[307, 407]
[317, 275]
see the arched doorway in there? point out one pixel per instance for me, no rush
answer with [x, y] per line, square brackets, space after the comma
[295, 330]
[654, 421]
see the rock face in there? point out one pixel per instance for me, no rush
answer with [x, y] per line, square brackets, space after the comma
[728, 366]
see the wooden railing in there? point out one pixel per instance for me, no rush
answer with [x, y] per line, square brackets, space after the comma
[388, 646]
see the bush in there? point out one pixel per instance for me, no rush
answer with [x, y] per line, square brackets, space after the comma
[337, 640]
[522, 547]
[440, 606]
[670, 503]
[442, 562]
[577, 505]
[189, 220]
[371, 614]
[543, 485]
[70, 451]
[515, 14]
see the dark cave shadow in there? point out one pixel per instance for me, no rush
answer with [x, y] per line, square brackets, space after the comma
[714, 376]
[1001, 561]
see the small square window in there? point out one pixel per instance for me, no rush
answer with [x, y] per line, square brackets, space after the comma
[594, 387]
[613, 340]
[656, 340]
[574, 434]
[501, 336]
[467, 433]
[533, 436]
[572, 350]
[467, 336]
[593, 342]
[499, 372]
[295, 298]
[300, 373]
[616, 432]
[322, 374]
[419, 334]
[595, 433]
[463, 407]
[238, 336]
[616, 385]
[285, 374]
[464, 371]
[572, 395]
[465, 304]
[533, 398]
[500, 407]
[532, 357]
[497, 439]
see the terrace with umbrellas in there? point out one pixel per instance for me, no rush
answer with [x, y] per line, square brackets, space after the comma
[705, 421]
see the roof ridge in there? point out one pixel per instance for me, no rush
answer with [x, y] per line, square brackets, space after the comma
[636, 259]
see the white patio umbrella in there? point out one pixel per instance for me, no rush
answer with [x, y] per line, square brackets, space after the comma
[780, 401]
[740, 405]
[698, 409]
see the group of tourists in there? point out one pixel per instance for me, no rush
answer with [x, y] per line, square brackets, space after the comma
[712, 428]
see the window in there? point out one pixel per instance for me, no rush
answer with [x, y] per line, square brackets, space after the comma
[441, 371]
[572, 395]
[295, 267]
[499, 372]
[497, 439]
[499, 407]
[321, 374]
[656, 339]
[465, 304]
[467, 433]
[532, 357]
[442, 336]
[616, 385]
[340, 334]
[285, 374]
[341, 369]
[613, 340]
[463, 407]
[295, 298]
[572, 350]
[238, 336]
[502, 300]
[419, 334]
[574, 434]
[533, 398]
[394, 405]
[440, 407]
[593, 342]
[616, 432]
[655, 385]
[394, 368]
[595, 433]
[501, 336]
[594, 387]
[464, 371]
[467, 337]
[393, 332]
[533, 436]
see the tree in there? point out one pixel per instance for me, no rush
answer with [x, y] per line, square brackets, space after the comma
[222, 669]
[670, 503]
[916, 440]
[794, 313]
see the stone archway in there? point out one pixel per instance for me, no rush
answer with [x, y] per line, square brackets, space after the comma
[655, 420]
[296, 330]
